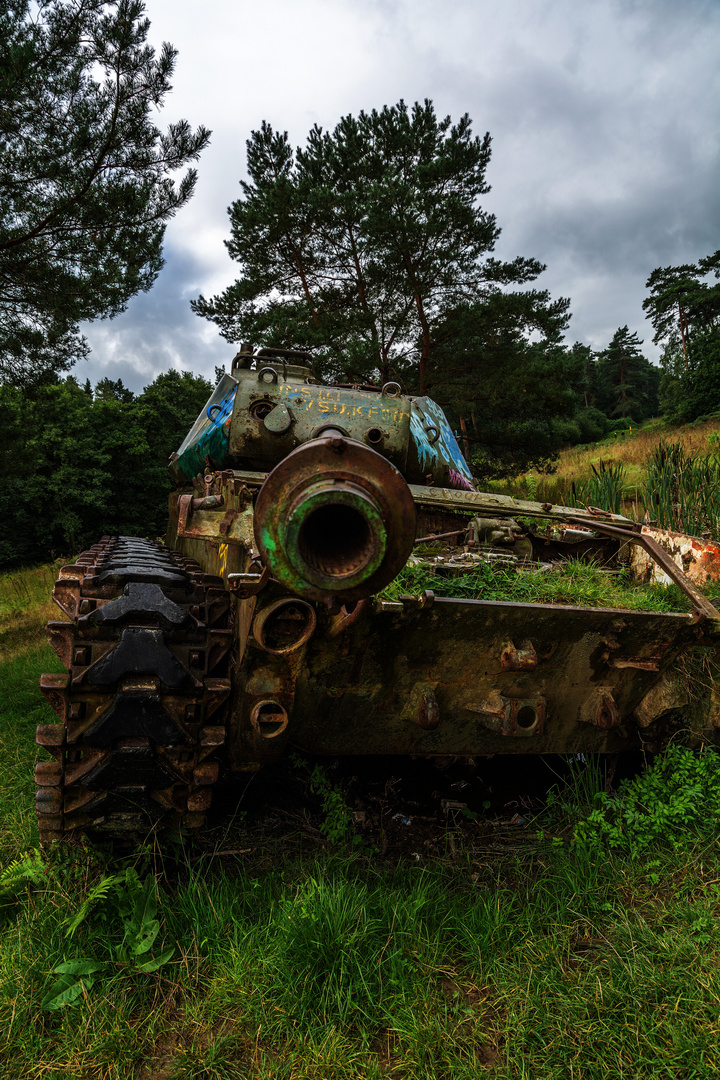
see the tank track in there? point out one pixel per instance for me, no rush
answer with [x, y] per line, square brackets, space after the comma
[143, 704]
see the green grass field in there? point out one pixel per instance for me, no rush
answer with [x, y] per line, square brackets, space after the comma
[514, 954]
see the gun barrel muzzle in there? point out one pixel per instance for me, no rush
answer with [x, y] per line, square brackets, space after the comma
[334, 518]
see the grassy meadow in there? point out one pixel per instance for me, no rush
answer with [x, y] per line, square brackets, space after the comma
[626, 450]
[576, 940]
[293, 946]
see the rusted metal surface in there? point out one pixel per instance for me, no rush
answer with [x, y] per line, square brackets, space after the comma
[284, 625]
[222, 513]
[435, 537]
[699, 559]
[367, 683]
[488, 505]
[279, 407]
[599, 708]
[255, 418]
[597, 549]
[243, 586]
[523, 659]
[265, 681]
[334, 519]
[665, 696]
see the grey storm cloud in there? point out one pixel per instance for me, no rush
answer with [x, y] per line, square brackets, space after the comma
[158, 331]
[604, 118]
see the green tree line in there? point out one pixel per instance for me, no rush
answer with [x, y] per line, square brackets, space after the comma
[78, 463]
[684, 308]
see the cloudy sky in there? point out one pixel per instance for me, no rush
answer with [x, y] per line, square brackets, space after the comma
[604, 117]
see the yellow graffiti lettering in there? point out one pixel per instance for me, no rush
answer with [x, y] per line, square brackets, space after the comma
[223, 557]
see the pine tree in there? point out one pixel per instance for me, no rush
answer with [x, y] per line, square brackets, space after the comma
[362, 242]
[682, 302]
[627, 385]
[505, 380]
[85, 184]
[684, 308]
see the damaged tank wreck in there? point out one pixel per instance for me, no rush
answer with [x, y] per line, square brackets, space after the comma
[261, 624]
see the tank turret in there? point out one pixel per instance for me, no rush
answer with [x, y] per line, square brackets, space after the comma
[270, 404]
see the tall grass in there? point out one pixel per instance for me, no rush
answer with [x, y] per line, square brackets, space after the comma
[604, 488]
[675, 484]
[682, 492]
[630, 449]
[25, 607]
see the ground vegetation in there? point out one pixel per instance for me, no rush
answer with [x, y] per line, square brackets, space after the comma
[305, 939]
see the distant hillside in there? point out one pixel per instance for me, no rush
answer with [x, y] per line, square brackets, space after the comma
[662, 472]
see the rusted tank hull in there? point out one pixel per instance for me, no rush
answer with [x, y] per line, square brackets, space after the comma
[260, 625]
[467, 678]
[435, 676]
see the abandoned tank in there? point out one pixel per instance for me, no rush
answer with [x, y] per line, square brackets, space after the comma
[261, 624]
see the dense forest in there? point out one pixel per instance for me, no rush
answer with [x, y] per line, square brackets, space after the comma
[78, 462]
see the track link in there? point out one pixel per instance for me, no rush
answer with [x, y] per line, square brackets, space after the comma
[143, 704]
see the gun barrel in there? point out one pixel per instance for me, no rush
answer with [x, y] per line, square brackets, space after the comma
[334, 519]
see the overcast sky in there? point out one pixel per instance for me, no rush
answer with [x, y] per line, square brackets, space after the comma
[604, 119]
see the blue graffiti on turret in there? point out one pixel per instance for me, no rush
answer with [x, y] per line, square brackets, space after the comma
[434, 451]
[208, 438]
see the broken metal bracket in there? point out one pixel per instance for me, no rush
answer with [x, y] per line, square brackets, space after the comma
[246, 585]
[703, 608]
[511, 716]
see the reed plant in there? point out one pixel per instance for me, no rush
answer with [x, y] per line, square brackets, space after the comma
[681, 491]
[604, 488]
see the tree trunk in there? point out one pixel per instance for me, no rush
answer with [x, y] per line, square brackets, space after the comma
[682, 335]
[424, 325]
[466, 444]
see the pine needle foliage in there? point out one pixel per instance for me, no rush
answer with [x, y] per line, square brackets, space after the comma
[361, 242]
[85, 175]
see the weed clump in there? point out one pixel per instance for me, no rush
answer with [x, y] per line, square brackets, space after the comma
[571, 582]
[670, 805]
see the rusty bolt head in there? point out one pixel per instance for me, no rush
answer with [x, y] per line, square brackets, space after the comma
[81, 657]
